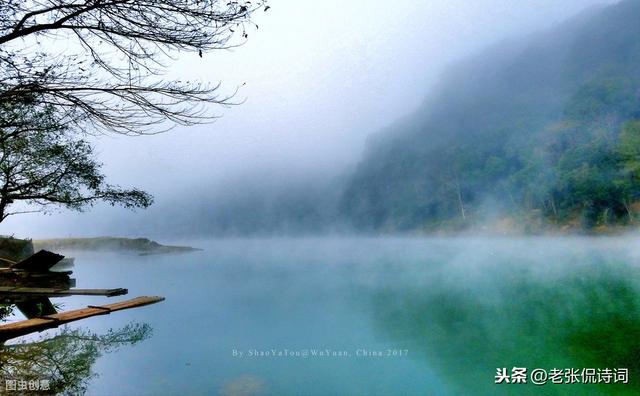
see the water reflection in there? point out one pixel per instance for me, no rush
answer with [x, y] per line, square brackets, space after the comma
[246, 385]
[586, 315]
[64, 362]
[5, 310]
[461, 307]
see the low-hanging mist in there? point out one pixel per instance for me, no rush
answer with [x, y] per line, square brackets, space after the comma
[532, 134]
[540, 131]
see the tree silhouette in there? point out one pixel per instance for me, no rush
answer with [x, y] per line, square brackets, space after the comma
[114, 81]
[43, 162]
[108, 78]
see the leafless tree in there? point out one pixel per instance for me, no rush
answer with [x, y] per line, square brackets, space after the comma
[69, 68]
[114, 81]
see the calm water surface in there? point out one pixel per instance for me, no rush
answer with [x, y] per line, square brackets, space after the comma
[391, 316]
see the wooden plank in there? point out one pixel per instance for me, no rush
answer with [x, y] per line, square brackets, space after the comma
[23, 327]
[7, 262]
[53, 292]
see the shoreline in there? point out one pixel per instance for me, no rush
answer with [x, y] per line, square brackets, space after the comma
[142, 246]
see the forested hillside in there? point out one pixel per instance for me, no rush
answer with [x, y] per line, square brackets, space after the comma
[542, 130]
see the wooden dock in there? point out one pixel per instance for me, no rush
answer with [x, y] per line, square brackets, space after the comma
[27, 281]
[23, 327]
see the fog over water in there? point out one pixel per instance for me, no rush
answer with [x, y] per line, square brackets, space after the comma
[318, 79]
[411, 197]
[459, 308]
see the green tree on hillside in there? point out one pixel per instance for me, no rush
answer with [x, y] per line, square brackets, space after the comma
[629, 148]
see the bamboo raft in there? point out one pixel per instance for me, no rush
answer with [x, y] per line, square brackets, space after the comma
[24, 327]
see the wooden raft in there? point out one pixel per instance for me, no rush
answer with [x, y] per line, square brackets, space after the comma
[23, 327]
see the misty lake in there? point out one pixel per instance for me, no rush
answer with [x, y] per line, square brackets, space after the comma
[357, 316]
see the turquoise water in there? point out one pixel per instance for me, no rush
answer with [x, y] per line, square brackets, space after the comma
[389, 316]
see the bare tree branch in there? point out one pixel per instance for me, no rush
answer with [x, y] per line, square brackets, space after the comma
[115, 83]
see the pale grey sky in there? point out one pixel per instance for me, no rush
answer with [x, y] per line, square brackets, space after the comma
[320, 76]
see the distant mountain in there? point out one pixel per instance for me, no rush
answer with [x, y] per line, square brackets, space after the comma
[540, 130]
